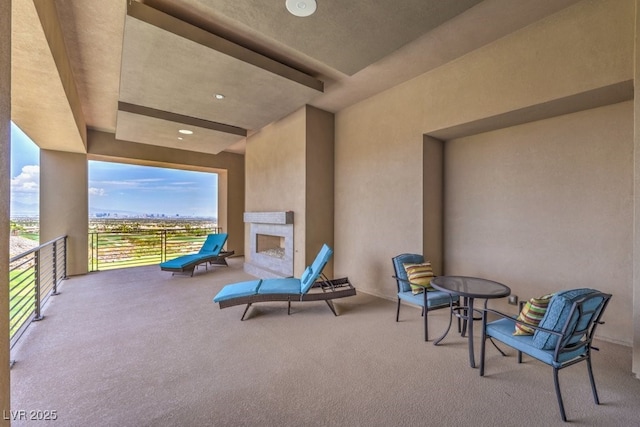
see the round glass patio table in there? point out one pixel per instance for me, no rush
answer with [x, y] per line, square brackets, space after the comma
[469, 288]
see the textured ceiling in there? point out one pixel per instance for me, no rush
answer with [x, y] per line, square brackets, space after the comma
[145, 69]
[345, 35]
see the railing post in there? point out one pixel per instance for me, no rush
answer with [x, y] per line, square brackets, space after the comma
[91, 252]
[94, 237]
[97, 252]
[163, 246]
[55, 268]
[38, 308]
[64, 273]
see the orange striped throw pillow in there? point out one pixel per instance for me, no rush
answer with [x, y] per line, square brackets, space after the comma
[532, 313]
[419, 276]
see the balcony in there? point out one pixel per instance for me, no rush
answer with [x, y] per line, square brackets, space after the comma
[139, 346]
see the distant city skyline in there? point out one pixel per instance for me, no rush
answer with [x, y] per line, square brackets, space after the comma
[115, 188]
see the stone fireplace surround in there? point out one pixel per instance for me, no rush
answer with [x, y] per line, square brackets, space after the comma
[278, 224]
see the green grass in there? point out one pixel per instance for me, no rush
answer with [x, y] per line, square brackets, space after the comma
[31, 236]
[21, 297]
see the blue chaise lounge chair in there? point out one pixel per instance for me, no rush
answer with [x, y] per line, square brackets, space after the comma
[307, 288]
[211, 252]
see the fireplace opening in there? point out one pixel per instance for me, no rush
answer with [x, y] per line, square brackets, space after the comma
[272, 246]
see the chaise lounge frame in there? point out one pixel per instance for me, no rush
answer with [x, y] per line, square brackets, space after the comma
[324, 290]
[312, 286]
[189, 269]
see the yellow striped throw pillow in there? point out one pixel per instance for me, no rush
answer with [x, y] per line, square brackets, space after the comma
[419, 276]
[532, 313]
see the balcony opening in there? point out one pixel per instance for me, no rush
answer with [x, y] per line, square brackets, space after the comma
[141, 215]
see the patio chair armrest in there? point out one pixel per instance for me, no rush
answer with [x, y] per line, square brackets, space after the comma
[485, 310]
[515, 320]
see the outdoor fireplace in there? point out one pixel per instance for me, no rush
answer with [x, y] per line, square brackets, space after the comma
[270, 244]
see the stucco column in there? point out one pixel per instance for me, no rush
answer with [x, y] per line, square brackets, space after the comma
[231, 206]
[433, 202]
[635, 367]
[5, 179]
[64, 204]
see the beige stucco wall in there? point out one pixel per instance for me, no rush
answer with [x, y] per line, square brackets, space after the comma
[289, 167]
[5, 179]
[547, 206]
[636, 203]
[229, 167]
[380, 169]
[64, 206]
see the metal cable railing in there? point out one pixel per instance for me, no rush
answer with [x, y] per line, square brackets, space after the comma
[33, 277]
[109, 250]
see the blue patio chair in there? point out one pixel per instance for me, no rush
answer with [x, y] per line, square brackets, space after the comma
[561, 339]
[429, 300]
[307, 288]
[211, 252]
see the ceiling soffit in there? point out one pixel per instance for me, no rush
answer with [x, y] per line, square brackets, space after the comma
[160, 132]
[172, 67]
[44, 102]
[347, 36]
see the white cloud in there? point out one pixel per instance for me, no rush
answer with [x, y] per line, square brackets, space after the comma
[28, 181]
[126, 183]
[93, 191]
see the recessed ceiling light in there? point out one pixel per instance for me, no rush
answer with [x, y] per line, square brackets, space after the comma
[180, 138]
[301, 8]
[185, 131]
[219, 96]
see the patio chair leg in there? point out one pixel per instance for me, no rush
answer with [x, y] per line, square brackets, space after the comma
[496, 346]
[398, 311]
[426, 327]
[593, 382]
[245, 311]
[558, 394]
[289, 307]
[483, 340]
[330, 304]
[425, 312]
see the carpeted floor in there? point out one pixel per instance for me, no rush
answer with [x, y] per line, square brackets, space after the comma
[139, 347]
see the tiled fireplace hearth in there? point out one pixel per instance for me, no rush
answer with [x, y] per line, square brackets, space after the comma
[270, 244]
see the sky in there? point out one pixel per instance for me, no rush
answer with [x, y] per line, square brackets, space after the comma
[116, 188]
